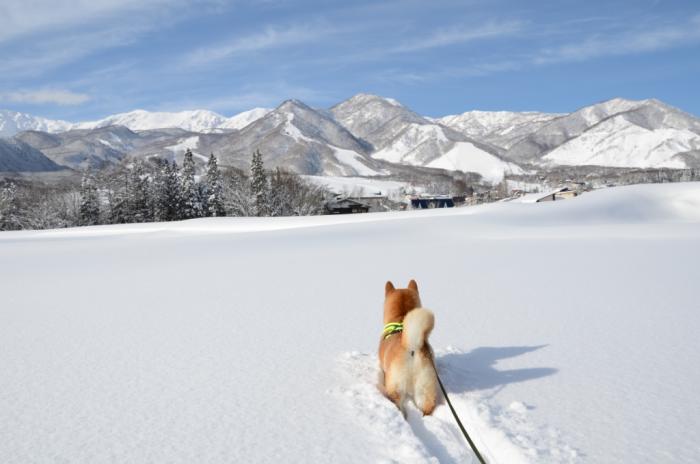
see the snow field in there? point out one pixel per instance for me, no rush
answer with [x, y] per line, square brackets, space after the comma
[565, 332]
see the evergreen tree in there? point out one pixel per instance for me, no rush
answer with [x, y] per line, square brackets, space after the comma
[89, 201]
[259, 189]
[166, 192]
[9, 209]
[214, 189]
[138, 194]
[119, 212]
[191, 205]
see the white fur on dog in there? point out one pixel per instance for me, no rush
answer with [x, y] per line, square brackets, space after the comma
[417, 325]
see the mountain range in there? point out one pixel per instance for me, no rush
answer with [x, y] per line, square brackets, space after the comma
[366, 135]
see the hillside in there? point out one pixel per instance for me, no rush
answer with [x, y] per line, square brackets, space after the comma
[369, 135]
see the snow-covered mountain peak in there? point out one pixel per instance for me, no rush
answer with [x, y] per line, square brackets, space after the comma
[12, 122]
[293, 105]
[368, 117]
[241, 120]
[192, 120]
[368, 98]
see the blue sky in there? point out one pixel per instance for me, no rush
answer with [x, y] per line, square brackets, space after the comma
[85, 59]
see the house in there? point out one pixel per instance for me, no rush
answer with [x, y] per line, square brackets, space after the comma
[345, 206]
[562, 193]
[434, 201]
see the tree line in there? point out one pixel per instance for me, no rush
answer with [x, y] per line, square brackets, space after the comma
[134, 191]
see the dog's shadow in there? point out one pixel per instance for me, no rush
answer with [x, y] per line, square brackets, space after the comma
[463, 372]
[476, 370]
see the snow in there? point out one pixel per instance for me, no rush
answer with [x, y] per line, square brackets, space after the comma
[204, 121]
[617, 142]
[241, 120]
[565, 332]
[184, 144]
[465, 156]
[293, 131]
[353, 160]
[402, 148]
[361, 186]
[194, 120]
[12, 122]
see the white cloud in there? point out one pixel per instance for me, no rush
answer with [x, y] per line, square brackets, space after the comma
[271, 37]
[460, 35]
[26, 17]
[40, 35]
[630, 42]
[42, 96]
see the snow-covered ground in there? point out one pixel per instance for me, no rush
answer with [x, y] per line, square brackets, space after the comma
[362, 186]
[565, 332]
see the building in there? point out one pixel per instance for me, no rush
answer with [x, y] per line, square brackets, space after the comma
[434, 201]
[345, 206]
[563, 193]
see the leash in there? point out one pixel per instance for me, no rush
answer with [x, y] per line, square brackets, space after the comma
[395, 327]
[459, 422]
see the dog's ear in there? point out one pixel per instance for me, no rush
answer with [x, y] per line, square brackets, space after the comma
[388, 288]
[413, 285]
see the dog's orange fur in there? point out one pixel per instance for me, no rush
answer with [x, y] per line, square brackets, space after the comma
[405, 372]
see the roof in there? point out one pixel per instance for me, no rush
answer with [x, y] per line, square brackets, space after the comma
[535, 197]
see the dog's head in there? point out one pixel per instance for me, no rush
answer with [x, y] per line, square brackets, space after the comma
[399, 301]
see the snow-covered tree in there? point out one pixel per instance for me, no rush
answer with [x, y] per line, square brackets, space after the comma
[9, 208]
[191, 205]
[259, 188]
[236, 193]
[214, 189]
[290, 195]
[89, 200]
[138, 193]
[166, 191]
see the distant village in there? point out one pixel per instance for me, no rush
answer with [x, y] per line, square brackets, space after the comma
[553, 185]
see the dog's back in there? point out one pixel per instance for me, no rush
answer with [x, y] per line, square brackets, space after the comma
[405, 356]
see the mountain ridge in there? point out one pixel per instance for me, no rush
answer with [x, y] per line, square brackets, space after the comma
[370, 135]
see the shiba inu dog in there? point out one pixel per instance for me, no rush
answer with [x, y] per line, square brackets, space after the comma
[405, 357]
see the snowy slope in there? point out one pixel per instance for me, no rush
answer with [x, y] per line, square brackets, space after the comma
[617, 142]
[430, 146]
[241, 120]
[399, 135]
[617, 132]
[622, 132]
[17, 156]
[566, 332]
[196, 120]
[500, 128]
[297, 137]
[467, 157]
[12, 122]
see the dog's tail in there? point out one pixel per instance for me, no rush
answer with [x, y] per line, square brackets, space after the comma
[417, 325]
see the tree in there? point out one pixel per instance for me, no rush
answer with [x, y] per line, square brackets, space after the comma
[236, 193]
[214, 189]
[114, 184]
[166, 191]
[138, 194]
[259, 189]
[191, 205]
[290, 195]
[9, 209]
[89, 200]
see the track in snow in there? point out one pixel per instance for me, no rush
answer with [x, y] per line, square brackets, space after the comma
[502, 435]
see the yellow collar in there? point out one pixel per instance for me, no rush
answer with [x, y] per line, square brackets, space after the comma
[391, 328]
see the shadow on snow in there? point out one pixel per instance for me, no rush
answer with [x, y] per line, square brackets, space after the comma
[477, 370]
